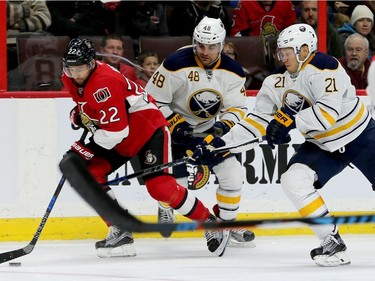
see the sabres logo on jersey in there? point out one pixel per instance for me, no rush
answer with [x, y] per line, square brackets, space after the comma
[205, 103]
[101, 95]
[295, 101]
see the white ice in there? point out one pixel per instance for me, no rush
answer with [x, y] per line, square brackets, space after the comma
[278, 258]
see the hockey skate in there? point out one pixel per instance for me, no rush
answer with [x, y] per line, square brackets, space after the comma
[165, 215]
[217, 240]
[117, 244]
[241, 238]
[331, 251]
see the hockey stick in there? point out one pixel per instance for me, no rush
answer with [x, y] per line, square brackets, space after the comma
[148, 171]
[73, 168]
[169, 165]
[7, 256]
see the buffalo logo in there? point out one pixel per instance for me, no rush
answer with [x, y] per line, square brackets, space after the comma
[150, 158]
[102, 95]
[295, 101]
[205, 104]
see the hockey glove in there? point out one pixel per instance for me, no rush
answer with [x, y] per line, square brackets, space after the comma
[75, 119]
[205, 154]
[222, 127]
[83, 151]
[181, 131]
[277, 131]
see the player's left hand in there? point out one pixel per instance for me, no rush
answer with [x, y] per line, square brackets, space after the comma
[277, 131]
[205, 153]
[222, 127]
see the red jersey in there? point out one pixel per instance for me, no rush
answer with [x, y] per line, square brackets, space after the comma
[251, 19]
[124, 112]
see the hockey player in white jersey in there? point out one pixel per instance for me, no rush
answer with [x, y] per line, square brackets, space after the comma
[200, 91]
[315, 96]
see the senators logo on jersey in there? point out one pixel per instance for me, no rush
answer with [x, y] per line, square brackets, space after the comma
[205, 104]
[102, 95]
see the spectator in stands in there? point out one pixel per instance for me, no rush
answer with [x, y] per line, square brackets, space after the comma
[24, 17]
[77, 18]
[265, 18]
[149, 61]
[27, 16]
[362, 22]
[113, 44]
[142, 18]
[356, 61]
[254, 75]
[186, 15]
[309, 15]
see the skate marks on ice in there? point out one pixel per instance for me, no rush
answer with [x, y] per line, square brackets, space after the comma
[275, 258]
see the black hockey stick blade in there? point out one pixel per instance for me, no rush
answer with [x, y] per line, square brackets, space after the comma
[73, 168]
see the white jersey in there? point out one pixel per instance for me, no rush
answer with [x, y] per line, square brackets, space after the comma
[329, 113]
[182, 85]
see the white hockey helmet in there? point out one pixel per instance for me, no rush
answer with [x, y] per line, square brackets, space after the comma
[296, 36]
[209, 31]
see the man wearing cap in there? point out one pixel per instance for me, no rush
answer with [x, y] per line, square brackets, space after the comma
[361, 21]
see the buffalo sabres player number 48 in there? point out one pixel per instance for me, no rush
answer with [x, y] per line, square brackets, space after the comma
[315, 96]
[201, 91]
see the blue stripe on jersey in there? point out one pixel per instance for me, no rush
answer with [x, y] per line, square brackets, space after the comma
[184, 58]
[323, 61]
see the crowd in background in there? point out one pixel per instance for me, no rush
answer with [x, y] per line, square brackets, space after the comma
[178, 18]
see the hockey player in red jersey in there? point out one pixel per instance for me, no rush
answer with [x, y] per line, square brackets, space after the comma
[125, 123]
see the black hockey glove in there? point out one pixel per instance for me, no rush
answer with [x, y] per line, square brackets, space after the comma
[222, 127]
[277, 131]
[204, 154]
[82, 150]
[181, 131]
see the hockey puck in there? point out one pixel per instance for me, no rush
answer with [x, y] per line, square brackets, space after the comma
[14, 264]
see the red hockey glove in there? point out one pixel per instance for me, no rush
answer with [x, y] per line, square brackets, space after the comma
[75, 119]
[83, 151]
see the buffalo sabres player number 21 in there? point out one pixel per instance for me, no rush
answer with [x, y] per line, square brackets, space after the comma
[201, 91]
[315, 96]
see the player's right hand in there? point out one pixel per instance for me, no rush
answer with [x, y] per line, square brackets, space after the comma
[181, 131]
[205, 153]
[75, 119]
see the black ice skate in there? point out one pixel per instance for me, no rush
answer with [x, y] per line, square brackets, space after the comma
[117, 244]
[217, 240]
[331, 251]
[241, 238]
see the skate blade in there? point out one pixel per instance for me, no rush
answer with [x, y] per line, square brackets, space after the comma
[340, 258]
[236, 244]
[126, 250]
[223, 245]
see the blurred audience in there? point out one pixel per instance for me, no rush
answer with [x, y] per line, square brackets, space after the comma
[113, 44]
[362, 22]
[254, 75]
[356, 61]
[186, 15]
[142, 18]
[309, 15]
[77, 18]
[149, 61]
[265, 18]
